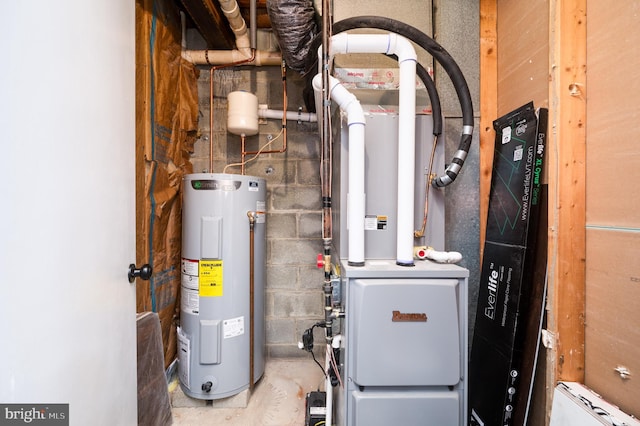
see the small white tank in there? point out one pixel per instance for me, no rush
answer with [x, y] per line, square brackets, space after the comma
[242, 114]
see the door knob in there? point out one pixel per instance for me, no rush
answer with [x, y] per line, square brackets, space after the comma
[144, 272]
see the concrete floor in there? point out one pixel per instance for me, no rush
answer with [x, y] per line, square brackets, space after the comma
[277, 400]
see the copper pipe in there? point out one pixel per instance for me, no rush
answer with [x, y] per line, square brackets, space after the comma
[242, 144]
[252, 220]
[326, 171]
[326, 128]
[284, 123]
[211, 81]
[420, 233]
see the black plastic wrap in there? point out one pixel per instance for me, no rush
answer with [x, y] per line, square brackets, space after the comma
[294, 25]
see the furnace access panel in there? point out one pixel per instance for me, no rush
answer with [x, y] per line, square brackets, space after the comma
[404, 351]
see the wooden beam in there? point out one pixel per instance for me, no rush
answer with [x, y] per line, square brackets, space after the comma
[143, 136]
[488, 104]
[567, 206]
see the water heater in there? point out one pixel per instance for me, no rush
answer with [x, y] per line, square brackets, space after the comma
[221, 334]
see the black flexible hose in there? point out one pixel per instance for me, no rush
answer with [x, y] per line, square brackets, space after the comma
[450, 66]
[436, 108]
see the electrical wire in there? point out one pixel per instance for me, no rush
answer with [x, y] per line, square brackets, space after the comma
[307, 342]
[255, 156]
[319, 365]
[332, 359]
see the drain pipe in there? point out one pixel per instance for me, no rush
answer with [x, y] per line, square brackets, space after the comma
[245, 51]
[356, 196]
[220, 57]
[299, 116]
[393, 44]
[231, 11]
[253, 21]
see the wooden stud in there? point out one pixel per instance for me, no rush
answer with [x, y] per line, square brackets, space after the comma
[567, 206]
[143, 138]
[488, 104]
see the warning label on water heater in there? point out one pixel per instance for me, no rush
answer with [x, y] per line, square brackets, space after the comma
[189, 301]
[233, 327]
[189, 267]
[210, 278]
[184, 357]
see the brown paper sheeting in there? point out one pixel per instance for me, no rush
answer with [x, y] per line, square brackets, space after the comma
[167, 119]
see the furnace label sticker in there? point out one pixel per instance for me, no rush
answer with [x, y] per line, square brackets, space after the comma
[375, 223]
[210, 278]
[233, 327]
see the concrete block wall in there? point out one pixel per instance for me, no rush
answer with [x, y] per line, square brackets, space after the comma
[294, 300]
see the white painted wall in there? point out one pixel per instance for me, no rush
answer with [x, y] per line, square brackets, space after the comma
[67, 120]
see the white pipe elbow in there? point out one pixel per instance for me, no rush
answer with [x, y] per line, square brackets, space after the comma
[440, 256]
[389, 44]
[345, 99]
[402, 48]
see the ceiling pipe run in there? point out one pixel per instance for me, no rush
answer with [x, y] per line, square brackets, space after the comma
[246, 43]
[393, 44]
[221, 57]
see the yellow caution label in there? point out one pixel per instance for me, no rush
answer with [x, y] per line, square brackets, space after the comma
[210, 278]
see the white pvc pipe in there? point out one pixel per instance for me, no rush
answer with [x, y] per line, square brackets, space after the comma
[222, 57]
[406, 159]
[393, 44]
[231, 10]
[443, 256]
[355, 196]
[291, 115]
[242, 51]
[328, 388]
[438, 256]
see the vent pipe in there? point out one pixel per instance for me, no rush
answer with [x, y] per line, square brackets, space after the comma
[356, 196]
[393, 44]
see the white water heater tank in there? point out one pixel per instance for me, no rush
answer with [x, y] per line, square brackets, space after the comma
[242, 113]
[223, 258]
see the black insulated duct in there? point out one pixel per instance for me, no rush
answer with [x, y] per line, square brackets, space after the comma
[294, 25]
